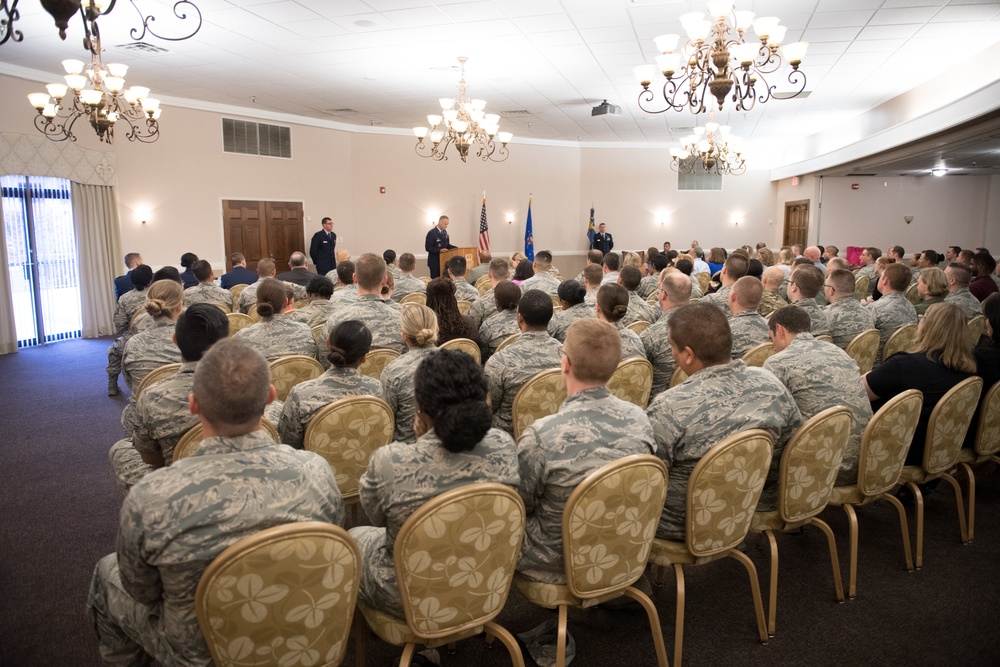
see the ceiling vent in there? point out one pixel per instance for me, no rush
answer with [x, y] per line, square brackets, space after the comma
[340, 112]
[142, 47]
[516, 113]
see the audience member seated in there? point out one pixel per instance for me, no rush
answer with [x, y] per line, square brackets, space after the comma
[128, 305]
[805, 284]
[407, 283]
[187, 276]
[486, 305]
[123, 284]
[391, 269]
[892, 310]
[770, 299]
[546, 278]
[477, 272]
[265, 269]
[593, 276]
[236, 483]
[638, 309]
[522, 272]
[720, 397]
[846, 315]
[734, 268]
[572, 298]
[347, 347]
[932, 286]
[987, 352]
[420, 332]
[455, 269]
[612, 307]
[611, 264]
[959, 277]
[651, 281]
[240, 274]
[983, 285]
[684, 265]
[503, 323]
[319, 308]
[206, 291]
[455, 446]
[819, 376]
[154, 346]
[381, 318]
[161, 414]
[533, 352]
[298, 273]
[277, 335]
[594, 258]
[748, 328]
[940, 359]
[868, 259]
[451, 322]
[674, 291]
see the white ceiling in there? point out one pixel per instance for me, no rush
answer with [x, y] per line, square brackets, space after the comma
[386, 62]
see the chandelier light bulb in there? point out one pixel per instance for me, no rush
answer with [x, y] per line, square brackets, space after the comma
[777, 35]
[763, 25]
[114, 84]
[421, 132]
[720, 8]
[644, 74]
[91, 97]
[117, 69]
[434, 120]
[795, 52]
[73, 66]
[743, 20]
[140, 92]
[49, 111]
[76, 82]
[668, 63]
[38, 100]
[150, 105]
[56, 90]
[446, 103]
[504, 137]
[667, 43]
[130, 96]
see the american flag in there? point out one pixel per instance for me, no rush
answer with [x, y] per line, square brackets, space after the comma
[484, 230]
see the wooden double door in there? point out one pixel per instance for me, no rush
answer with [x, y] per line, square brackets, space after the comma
[796, 223]
[261, 229]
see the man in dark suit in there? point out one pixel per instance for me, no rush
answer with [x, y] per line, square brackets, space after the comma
[124, 284]
[240, 275]
[323, 248]
[602, 241]
[299, 274]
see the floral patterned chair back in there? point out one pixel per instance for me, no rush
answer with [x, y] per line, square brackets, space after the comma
[901, 340]
[376, 361]
[281, 597]
[507, 341]
[317, 332]
[632, 381]
[238, 321]
[286, 372]
[987, 444]
[414, 297]
[677, 377]
[977, 325]
[483, 284]
[810, 463]
[861, 287]
[539, 397]
[346, 433]
[639, 326]
[425, 279]
[194, 435]
[155, 375]
[863, 348]
[236, 290]
[886, 441]
[464, 345]
[912, 295]
[703, 280]
[757, 355]
[464, 306]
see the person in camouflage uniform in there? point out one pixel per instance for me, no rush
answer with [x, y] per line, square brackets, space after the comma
[128, 305]
[391, 268]
[846, 315]
[420, 332]
[265, 269]
[154, 346]
[206, 291]
[503, 323]
[721, 397]
[638, 309]
[571, 295]
[175, 521]
[277, 335]
[892, 310]
[651, 283]
[748, 328]
[819, 377]
[381, 318]
[346, 289]
[455, 446]
[771, 299]
[545, 278]
[456, 269]
[533, 352]
[612, 306]
[556, 453]
[407, 283]
[161, 414]
[869, 257]
[593, 276]
[734, 268]
[675, 291]
[805, 283]
[349, 343]
[959, 276]
[320, 307]
[485, 306]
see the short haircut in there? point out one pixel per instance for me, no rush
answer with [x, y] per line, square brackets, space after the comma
[898, 276]
[801, 261]
[297, 259]
[457, 265]
[202, 270]
[705, 329]
[320, 286]
[873, 252]
[794, 319]
[594, 349]
[389, 256]
[747, 291]
[613, 261]
[630, 277]
[369, 271]
[499, 269]
[843, 281]
[660, 261]
[237, 258]
[572, 292]
[698, 252]
[141, 276]
[164, 297]
[833, 250]
[965, 256]
[612, 299]
[736, 266]
[167, 273]
[265, 267]
[898, 251]
[507, 294]
[936, 281]
[198, 328]
[131, 258]
[271, 297]
[985, 260]
[188, 259]
[407, 262]
[535, 307]
[231, 385]
[420, 324]
[809, 280]
[773, 276]
[349, 342]
[593, 275]
[543, 258]
[676, 285]
[450, 388]
[345, 272]
[837, 263]
[755, 268]
[595, 256]
[955, 249]
[325, 220]
[684, 266]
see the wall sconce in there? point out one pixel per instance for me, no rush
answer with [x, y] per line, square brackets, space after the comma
[662, 218]
[736, 219]
[510, 218]
[908, 218]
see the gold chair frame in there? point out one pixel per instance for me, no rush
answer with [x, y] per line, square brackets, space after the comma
[639, 326]
[376, 360]
[236, 290]
[626, 392]
[463, 345]
[507, 341]
[986, 447]
[677, 377]
[861, 284]
[976, 325]
[419, 298]
[901, 340]
[195, 434]
[238, 321]
[155, 375]
[295, 360]
[464, 306]
[317, 332]
[552, 378]
[757, 355]
[863, 348]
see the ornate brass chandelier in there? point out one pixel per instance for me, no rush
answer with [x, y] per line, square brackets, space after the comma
[718, 60]
[464, 124]
[712, 148]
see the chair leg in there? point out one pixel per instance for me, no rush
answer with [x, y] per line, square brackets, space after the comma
[561, 638]
[758, 604]
[359, 628]
[972, 499]
[772, 600]
[852, 523]
[919, 499]
[838, 585]
[679, 615]
[495, 631]
[408, 651]
[960, 502]
[654, 623]
[904, 526]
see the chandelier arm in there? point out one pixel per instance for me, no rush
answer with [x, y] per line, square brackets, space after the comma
[178, 11]
[8, 15]
[55, 131]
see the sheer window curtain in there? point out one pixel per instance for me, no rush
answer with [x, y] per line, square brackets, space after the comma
[8, 335]
[98, 241]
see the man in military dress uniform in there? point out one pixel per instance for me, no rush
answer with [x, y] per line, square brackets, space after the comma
[603, 241]
[436, 241]
[323, 248]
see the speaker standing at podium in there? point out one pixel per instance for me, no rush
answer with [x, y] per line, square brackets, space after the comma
[436, 241]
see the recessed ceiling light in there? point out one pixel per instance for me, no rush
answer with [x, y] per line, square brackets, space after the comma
[939, 171]
[365, 23]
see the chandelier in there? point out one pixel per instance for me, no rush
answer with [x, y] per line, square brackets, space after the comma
[717, 60]
[466, 126]
[711, 147]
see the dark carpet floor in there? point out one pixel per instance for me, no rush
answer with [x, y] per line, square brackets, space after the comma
[59, 507]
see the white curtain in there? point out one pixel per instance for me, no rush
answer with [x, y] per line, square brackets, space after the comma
[8, 336]
[98, 242]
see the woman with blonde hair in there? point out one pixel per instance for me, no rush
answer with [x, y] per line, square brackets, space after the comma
[940, 358]
[630, 258]
[766, 257]
[154, 345]
[277, 336]
[932, 286]
[420, 332]
[785, 259]
[612, 305]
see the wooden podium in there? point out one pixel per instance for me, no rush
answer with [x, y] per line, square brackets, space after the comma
[471, 256]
